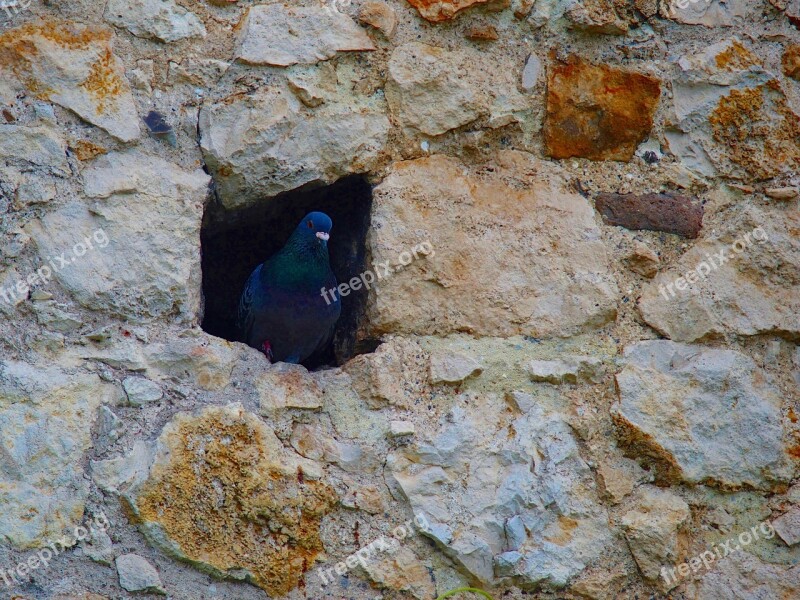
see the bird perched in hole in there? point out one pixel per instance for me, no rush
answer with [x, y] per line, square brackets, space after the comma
[282, 311]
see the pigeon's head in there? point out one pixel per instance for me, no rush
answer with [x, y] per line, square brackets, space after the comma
[316, 226]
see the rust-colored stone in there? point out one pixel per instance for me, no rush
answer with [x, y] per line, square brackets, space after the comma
[226, 498]
[380, 15]
[648, 8]
[598, 112]
[18, 47]
[103, 82]
[791, 8]
[760, 132]
[437, 11]
[72, 65]
[482, 33]
[610, 17]
[670, 213]
[736, 58]
[523, 9]
[791, 61]
[639, 444]
[86, 150]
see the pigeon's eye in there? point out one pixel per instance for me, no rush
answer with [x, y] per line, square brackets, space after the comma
[310, 224]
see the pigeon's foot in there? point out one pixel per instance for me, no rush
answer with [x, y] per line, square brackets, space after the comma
[266, 348]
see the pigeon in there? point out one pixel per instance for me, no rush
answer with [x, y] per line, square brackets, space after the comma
[286, 310]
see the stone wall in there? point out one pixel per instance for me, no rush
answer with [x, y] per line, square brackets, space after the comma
[587, 389]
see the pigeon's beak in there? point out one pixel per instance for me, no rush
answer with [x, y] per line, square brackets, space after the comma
[323, 236]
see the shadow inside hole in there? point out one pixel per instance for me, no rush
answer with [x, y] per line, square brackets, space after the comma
[234, 242]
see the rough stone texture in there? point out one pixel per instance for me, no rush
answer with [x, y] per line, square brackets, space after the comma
[453, 129]
[402, 571]
[453, 367]
[791, 8]
[110, 428]
[671, 213]
[137, 575]
[755, 290]
[313, 443]
[288, 386]
[276, 34]
[782, 193]
[162, 20]
[732, 116]
[216, 487]
[742, 576]
[39, 146]
[313, 85]
[711, 13]
[401, 428]
[429, 89]
[751, 149]
[380, 377]
[643, 260]
[599, 16]
[188, 357]
[150, 225]
[787, 526]
[380, 15]
[648, 8]
[469, 285]
[442, 10]
[531, 72]
[704, 415]
[140, 391]
[74, 66]
[258, 145]
[790, 61]
[651, 530]
[482, 32]
[99, 547]
[569, 369]
[620, 478]
[601, 585]
[46, 415]
[471, 502]
[597, 111]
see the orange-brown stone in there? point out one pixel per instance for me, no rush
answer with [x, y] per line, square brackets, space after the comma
[736, 58]
[442, 10]
[760, 132]
[72, 65]
[482, 33]
[86, 150]
[227, 496]
[598, 112]
[791, 61]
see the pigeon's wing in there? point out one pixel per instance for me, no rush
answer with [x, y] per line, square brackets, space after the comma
[332, 315]
[246, 314]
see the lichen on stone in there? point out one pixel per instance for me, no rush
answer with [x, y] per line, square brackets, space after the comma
[759, 129]
[225, 498]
